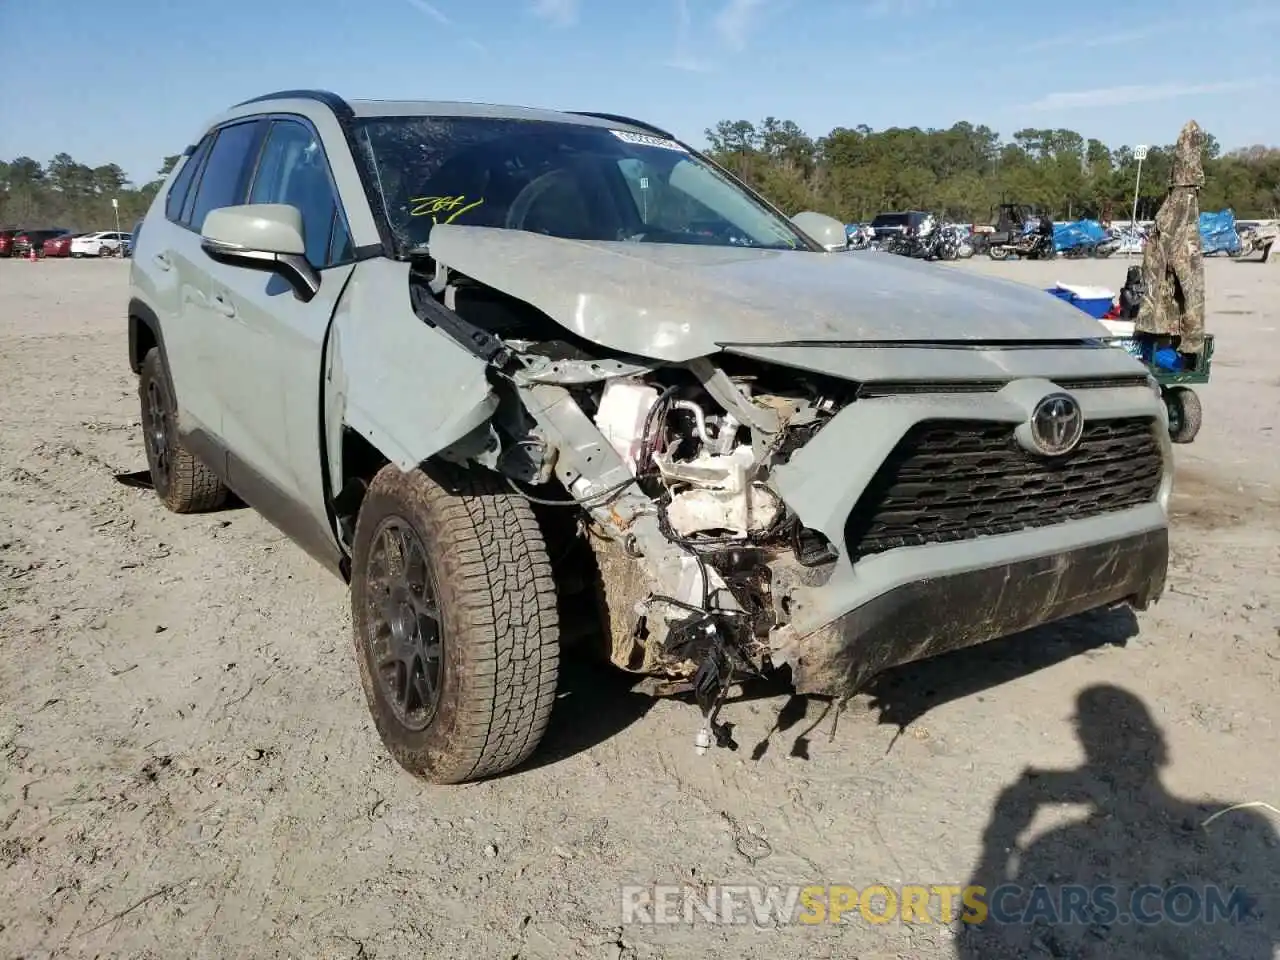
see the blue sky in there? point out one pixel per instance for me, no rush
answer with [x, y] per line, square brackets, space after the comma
[133, 80]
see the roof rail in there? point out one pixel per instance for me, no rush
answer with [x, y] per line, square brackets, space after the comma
[629, 121]
[331, 100]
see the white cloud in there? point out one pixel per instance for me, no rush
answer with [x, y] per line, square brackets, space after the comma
[689, 64]
[560, 12]
[1117, 38]
[734, 21]
[1140, 93]
[682, 59]
[432, 11]
[1212, 20]
[895, 8]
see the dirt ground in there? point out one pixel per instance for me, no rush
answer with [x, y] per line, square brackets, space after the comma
[189, 770]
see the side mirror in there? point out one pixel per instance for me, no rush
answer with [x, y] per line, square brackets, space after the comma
[828, 231]
[262, 236]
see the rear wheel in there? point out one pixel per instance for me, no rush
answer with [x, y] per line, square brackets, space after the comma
[455, 622]
[1185, 414]
[104, 251]
[183, 482]
[998, 252]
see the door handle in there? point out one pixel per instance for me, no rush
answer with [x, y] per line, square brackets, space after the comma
[162, 262]
[223, 305]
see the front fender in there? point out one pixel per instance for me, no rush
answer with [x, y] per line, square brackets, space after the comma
[406, 387]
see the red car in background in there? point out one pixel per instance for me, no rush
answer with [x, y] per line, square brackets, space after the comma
[58, 246]
[25, 240]
[6, 241]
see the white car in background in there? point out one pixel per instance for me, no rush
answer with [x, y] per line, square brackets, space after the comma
[106, 244]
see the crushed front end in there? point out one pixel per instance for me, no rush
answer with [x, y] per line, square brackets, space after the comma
[756, 509]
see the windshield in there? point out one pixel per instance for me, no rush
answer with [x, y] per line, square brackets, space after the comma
[564, 180]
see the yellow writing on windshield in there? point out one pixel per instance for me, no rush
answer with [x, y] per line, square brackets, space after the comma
[433, 207]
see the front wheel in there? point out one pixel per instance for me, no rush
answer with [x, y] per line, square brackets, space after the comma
[183, 482]
[455, 622]
[1185, 414]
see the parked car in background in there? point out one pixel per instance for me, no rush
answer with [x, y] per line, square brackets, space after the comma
[105, 244]
[887, 225]
[25, 240]
[6, 240]
[58, 246]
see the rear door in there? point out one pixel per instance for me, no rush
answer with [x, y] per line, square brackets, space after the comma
[154, 273]
[276, 342]
[204, 379]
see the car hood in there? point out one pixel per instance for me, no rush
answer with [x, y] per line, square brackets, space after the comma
[675, 302]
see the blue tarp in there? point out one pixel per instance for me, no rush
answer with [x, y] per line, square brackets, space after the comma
[1081, 233]
[1218, 232]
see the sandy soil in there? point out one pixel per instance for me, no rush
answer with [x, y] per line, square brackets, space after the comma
[189, 770]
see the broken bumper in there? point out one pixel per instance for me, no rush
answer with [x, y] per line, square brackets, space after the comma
[968, 593]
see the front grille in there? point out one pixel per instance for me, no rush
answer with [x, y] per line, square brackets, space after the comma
[950, 480]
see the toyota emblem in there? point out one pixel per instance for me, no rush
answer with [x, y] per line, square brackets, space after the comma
[1056, 424]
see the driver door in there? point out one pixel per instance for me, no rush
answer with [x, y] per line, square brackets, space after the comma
[272, 423]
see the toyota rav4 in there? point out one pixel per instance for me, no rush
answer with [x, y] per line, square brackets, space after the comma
[530, 380]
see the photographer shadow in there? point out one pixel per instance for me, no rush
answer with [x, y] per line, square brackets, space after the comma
[1141, 873]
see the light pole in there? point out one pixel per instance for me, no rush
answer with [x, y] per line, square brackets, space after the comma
[1140, 154]
[115, 206]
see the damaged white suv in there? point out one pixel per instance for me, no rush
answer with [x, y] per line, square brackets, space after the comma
[531, 380]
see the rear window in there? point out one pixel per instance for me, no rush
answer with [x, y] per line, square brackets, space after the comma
[891, 220]
[178, 192]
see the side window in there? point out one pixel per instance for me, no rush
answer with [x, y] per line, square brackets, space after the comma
[174, 203]
[222, 182]
[340, 249]
[294, 170]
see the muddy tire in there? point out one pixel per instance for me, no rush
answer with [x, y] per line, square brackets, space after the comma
[1185, 414]
[183, 482]
[455, 622]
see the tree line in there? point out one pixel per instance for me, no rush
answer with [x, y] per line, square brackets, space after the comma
[852, 173]
[64, 193]
[964, 171]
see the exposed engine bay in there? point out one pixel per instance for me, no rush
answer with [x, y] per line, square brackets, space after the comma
[714, 511]
[666, 467]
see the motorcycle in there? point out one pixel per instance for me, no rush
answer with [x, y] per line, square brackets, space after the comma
[1099, 250]
[1130, 239]
[1256, 239]
[1034, 243]
[928, 241]
[959, 237]
[898, 243]
[861, 237]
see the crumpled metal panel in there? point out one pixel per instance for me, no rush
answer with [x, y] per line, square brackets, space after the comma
[675, 302]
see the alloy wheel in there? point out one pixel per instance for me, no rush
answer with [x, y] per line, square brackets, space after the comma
[404, 636]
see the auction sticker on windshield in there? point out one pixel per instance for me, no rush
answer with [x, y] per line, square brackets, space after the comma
[645, 140]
